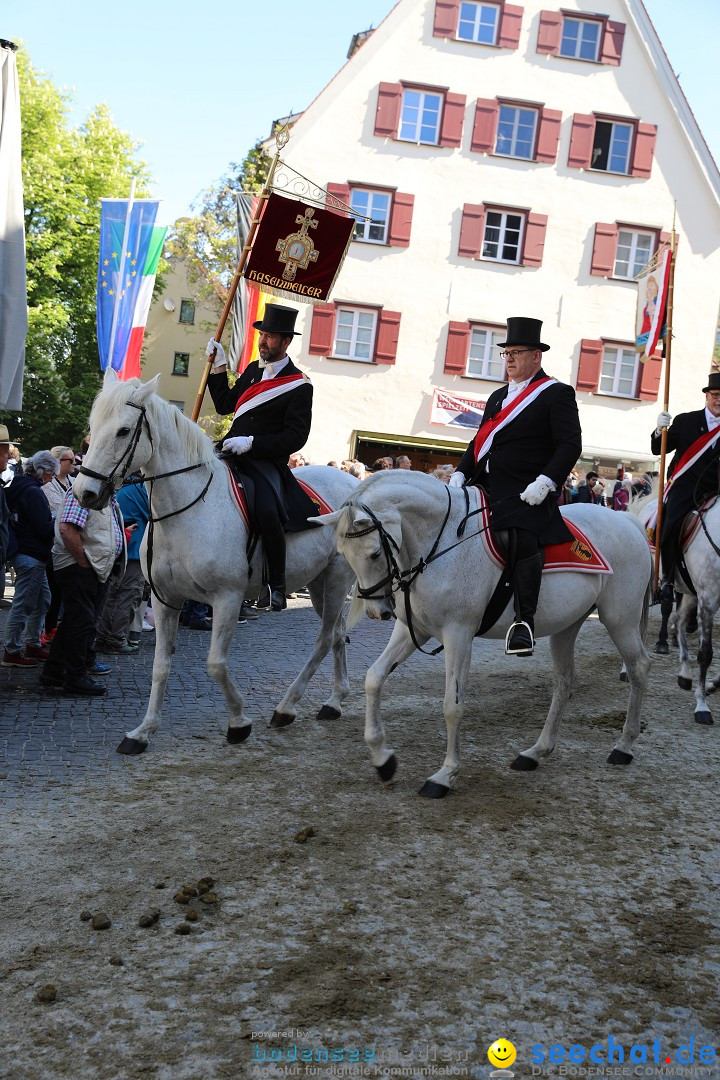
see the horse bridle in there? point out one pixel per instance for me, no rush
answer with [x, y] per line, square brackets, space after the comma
[109, 482]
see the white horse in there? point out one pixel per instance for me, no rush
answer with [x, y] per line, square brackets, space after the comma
[195, 546]
[399, 532]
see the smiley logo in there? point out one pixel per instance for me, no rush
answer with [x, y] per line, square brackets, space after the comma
[502, 1053]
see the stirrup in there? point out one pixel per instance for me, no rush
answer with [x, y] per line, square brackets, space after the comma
[524, 651]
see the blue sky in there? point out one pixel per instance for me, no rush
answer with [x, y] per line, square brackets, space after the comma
[198, 84]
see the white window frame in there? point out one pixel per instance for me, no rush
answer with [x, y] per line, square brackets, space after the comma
[504, 215]
[581, 23]
[365, 220]
[615, 125]
[622, 353]
[517, 110]
[483, 341]
[419, 123]
[634, 264]
[477, 23]
[352, 342]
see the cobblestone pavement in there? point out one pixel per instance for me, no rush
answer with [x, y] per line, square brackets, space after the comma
[48, 741]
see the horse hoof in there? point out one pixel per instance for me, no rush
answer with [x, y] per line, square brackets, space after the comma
[431, 790]
[619, 757]
[281, 719]
[327, 712]
[238, 734]
[684, 684]
[704, 717]
[388, 770]
[131, 746]
[524, 764]
[623, 676]
[662, 648]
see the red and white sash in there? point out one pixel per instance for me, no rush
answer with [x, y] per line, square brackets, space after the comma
[265, 390]
[691, 455]
[489, 428]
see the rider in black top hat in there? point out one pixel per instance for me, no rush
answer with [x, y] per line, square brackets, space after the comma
[522, 461]
[272, 403]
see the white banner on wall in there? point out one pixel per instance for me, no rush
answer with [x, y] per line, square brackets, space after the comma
[452, 410]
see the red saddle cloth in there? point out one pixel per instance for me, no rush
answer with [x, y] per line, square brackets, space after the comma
[579, 554]
[239, 496]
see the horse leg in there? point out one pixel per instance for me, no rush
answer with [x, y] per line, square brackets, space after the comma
[661, 646]
[458, 653]
[685, 674]
[329, 606]
[398, 648]
[562, 650]
[629, 642]
[225, 614]
[166, 625]
[705, 655]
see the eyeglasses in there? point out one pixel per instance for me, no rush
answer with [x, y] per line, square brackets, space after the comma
[514, 353]
[67, 459]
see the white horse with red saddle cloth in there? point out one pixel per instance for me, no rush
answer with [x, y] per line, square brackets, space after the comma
[417, 554]
[195, 546]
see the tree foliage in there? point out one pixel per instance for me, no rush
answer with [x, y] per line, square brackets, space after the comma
[66, 171]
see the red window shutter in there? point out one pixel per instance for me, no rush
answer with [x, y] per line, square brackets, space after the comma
[581, 141]
[386, 342]
[471, 231]
[446, 18]
[612, 43]
[591, 354]
[322, 330]
[341, 192]
[401, 220]
[534, 241]
[452, 120]
[549, 32]
[644, 150]
[387, 116]
[458, 346]
[485, 126]
[510, 25]
[604, 250]
[649, 384]
[548, 135]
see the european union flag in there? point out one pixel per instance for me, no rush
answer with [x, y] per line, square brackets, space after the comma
[123, 249]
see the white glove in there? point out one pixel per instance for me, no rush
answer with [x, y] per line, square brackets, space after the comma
[240, 444]
[457, 479]
[219, 361]
[664, 420]
[536, 492]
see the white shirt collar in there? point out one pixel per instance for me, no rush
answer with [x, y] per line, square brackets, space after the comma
[273, 369]
[516, 387]
[712, 421]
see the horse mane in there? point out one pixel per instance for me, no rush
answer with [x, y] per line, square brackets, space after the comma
[404, 478]
[113, 398]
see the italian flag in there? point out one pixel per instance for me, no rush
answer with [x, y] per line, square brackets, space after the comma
[131, 363]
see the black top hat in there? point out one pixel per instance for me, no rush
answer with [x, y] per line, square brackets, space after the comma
[278, 319]
[713, 382]
[524, 332]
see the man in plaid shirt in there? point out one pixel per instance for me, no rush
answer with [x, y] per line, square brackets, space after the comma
[89, 546]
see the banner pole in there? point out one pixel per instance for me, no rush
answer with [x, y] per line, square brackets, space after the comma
[280, 141]
[666, 405]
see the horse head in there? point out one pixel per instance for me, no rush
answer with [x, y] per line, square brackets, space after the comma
[370, 545]
[120, 439]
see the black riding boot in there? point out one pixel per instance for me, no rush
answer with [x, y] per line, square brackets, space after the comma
[520, 639]
[274, 547]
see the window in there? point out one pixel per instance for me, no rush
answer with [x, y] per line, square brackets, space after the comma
[516, 132]
[187, 312]
[179, 405]
[478, 22]
[181, 363]
[633, 252]
[355, 334]
[374, 206]
[484, 358]
[611, 146]
[618, 374]
[502, 240]
[580, 38]
[420, 116]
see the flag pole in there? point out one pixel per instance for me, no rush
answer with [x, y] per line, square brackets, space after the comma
[280, 141]
[666, 405]
[121, 275]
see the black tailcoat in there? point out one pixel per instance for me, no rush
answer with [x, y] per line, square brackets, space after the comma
[545, 438]
[695, 485]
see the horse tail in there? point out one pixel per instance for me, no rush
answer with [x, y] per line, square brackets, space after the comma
[357, 608]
